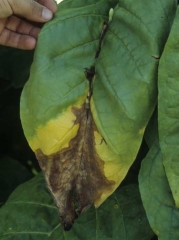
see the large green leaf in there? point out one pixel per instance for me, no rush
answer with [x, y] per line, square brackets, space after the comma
[156, 196]
[91, 93]
[30, 214]
[169, 108]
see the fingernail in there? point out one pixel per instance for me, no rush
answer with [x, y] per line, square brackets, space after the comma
[47, 14]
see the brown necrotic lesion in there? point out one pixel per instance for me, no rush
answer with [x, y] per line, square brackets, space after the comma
[76, 173]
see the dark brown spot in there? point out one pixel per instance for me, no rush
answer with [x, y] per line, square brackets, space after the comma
[75, 174]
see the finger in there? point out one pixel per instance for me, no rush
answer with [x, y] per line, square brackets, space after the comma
[12, 39]
[30, 10]
[18, 25]
[50, 4]
[5, 9]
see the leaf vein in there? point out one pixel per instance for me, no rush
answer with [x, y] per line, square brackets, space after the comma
[33, 203]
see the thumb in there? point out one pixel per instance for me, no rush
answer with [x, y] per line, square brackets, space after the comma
[31, 10]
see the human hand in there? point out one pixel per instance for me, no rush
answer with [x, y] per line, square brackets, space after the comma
[19, 18]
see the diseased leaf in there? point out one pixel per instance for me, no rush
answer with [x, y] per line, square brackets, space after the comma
[55, 110]
[156, 196]
[169, 108]
[80, 107]
[31, 214]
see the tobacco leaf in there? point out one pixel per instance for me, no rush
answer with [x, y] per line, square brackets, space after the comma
[156, 195]
[62, 132]
[169, 109]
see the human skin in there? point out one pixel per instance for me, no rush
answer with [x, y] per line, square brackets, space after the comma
[21, 21]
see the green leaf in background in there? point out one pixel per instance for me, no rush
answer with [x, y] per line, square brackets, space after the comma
[12, 174]
[168, 106]
[84, 116]
[156, 196]
[30, 214]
